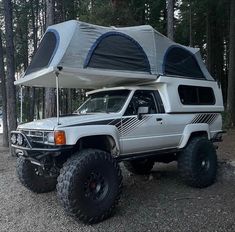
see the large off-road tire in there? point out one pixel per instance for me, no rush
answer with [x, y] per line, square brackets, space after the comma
[139, 167]
[89, 185]
[197, 163]
[33, 178]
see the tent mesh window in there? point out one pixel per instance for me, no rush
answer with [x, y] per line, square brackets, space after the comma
[44, 54]
[118, 52]
[180, 62]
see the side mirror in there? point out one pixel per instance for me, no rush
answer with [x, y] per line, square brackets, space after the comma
[142, 110]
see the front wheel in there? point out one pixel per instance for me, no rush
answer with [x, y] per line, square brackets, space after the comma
[197, 163]
[89, 185]
[34, 178]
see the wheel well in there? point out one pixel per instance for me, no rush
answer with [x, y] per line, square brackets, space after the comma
[101, 142]
[198, 134]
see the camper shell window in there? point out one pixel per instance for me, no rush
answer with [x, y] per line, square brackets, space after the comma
[117, 51]
[45, 52]
[195, 95]
[181, 62]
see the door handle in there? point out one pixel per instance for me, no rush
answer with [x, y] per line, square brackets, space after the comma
[159, 119]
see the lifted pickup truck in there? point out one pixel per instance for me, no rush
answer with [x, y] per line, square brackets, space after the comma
[171, 119]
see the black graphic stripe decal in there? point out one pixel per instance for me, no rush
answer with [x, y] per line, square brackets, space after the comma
[204, 118]
[115, 122]
[125, 126]
[103, 122]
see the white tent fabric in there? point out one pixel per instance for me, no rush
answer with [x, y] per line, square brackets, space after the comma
[73, 49]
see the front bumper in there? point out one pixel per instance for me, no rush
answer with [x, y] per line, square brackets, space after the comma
[29, 148]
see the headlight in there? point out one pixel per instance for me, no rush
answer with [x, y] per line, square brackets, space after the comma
[13, 139]
[20, 140]
[50, 137]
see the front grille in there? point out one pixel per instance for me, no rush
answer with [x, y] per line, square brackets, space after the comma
[36, 136]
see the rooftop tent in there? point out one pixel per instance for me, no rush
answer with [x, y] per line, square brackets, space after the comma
[90, 56]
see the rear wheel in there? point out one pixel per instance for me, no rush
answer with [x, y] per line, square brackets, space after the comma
[89, 185]
[197, 163]
[139, 166]
[34, 178]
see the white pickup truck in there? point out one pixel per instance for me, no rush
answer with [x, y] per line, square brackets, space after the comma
[168, 109]
[173, 119]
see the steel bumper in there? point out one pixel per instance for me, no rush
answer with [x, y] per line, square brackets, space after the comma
[33, 149]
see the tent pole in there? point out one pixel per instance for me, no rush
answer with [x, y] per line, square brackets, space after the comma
[21, 104]
[57, 98]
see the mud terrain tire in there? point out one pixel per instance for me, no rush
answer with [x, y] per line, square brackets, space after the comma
[197, 163]
[89, 185]
[32, 178]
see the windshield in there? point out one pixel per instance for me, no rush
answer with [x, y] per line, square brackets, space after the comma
[104, 102]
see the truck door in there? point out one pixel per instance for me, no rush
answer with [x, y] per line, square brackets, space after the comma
[149, 132]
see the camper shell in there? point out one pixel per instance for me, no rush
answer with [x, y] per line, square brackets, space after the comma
[152, 100]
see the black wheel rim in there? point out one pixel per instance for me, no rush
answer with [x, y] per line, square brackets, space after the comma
[95, 186]
[204, 162]
[38, 172]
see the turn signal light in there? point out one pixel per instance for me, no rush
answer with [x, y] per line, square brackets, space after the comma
[60, 138]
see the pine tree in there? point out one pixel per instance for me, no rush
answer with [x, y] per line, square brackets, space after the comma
[50, 92]
[11, 91]
[170, 19]
[231, 76]
[4, 97]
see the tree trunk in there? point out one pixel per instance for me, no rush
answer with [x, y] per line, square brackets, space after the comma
[59, 15]
[69, 101]
[190, 25]
[210, 25]
[170, 19]
[49, 92]
[11, 92]
[231, 74]
[4, 97]
[34, 14]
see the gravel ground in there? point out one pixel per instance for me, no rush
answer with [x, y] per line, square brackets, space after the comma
[159, 202]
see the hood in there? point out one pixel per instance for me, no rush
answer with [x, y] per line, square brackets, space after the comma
[51, 123]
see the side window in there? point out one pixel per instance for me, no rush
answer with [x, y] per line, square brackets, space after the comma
[141, 98]
[196, 95]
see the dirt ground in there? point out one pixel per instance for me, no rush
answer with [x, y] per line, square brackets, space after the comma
[159, 202]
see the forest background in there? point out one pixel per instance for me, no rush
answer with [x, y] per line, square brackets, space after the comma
[205, 24]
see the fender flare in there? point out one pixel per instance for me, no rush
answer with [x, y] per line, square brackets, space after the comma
[191, 128]
[77, 133]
